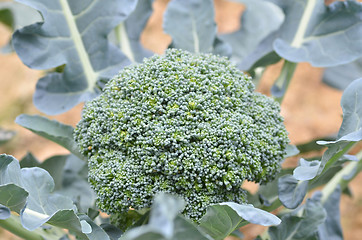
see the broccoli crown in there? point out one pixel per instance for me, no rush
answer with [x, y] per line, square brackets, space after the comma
[182, 123]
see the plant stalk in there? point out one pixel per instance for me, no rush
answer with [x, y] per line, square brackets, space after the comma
[351, 170]
[281, 84]
[13, 225]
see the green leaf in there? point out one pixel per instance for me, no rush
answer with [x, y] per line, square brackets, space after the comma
[6, 135]
[54, 166]
[336, 149]
[92, 230]
[191, 25]
[351, 103]
[306, 170]
[50, 129]
[113, 232]
[29, 160]
[291, 191]
[331, 228]
[260, 19]
[6, 17]
[77, 37]
[13, 197]
[186, 229]
[313, 146]
[287, 229]
[220, 220]
[325, 35]
[341, 76]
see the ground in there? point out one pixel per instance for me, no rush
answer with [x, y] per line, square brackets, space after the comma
[311, 109]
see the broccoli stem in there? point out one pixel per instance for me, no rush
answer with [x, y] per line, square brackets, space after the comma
[282, 82]
[13, 225]
[351, 170]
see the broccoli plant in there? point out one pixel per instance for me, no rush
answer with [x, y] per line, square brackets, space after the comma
[165, 141]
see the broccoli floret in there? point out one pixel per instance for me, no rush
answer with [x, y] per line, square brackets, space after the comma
[182, 123]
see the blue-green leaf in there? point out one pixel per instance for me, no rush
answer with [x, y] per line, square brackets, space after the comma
[30, 192]
[331, 228]
[191, 25]
[41, 205]
[165, 222]
[325, 35]
[302, 223]
[50, 129]
[313, 216]
[15, 15]
[4, 212]
[73, 33]
[74, 184]
[306, 170]
[292, 150]
[351, 103]
[129, 32]
[291, 191]
[341, 76]
[260, 19]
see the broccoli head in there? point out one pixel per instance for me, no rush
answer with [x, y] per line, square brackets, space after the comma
[182, 123]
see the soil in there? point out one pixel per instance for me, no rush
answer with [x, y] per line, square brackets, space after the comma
[311, 109]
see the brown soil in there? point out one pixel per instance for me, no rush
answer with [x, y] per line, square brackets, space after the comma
[311, 109]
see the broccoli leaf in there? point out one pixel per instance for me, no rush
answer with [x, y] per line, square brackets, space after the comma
[73, 33]
[326, 35]
[31, 190]
[191, 25]
[165, 222]
[13, 196]
[286, 230]
[258, 21]
[351, 103]
[306, 170]
[50, 129]
[4, 212]
[331, 228]
[351, 128]
[222, 219]
[341, 76]
[29, 160]
[313, 216]
[291, 191]
[129, 32]
[15, 15]
[302, 223]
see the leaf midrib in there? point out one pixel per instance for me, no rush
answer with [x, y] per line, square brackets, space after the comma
[76, 37]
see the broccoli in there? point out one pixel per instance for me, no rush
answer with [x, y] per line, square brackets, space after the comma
[182, 123]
